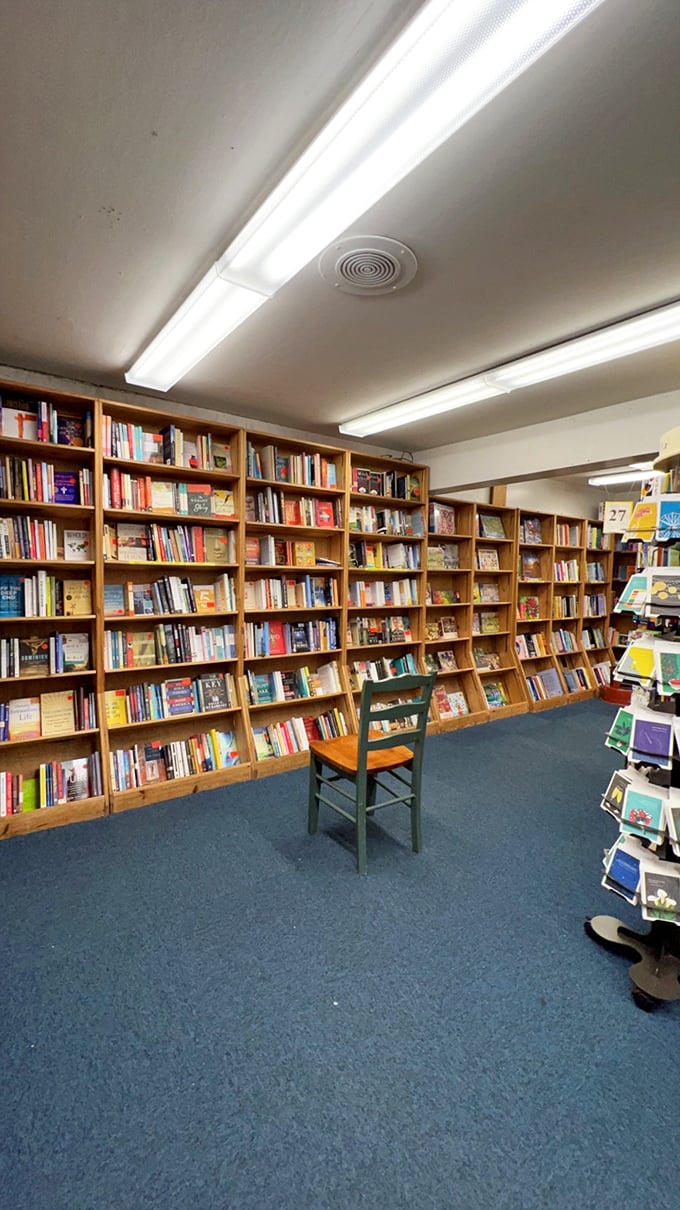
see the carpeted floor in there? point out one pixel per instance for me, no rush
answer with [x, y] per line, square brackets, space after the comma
[204, 1007]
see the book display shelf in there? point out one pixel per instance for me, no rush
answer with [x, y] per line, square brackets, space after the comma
[569, 549]
[624, 563]
[386, 569]
[545, 686]
[458, 698]
[597, 603]
[171, 543]
[293, 592]
[493, 610]
[50, 737]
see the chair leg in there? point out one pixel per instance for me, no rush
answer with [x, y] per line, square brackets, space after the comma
[313, 807]
[416, 830]
[371, 792]
[361, 828]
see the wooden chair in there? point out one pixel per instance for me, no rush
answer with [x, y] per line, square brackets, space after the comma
[364, 758]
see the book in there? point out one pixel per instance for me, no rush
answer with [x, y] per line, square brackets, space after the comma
[11, 596]
[531, 529]
[217, 545]
[487, 559]
[162, 496]
[494, 692]
[34, 656]
[57, 713]
[78, 598]
[66, 489]
[214, 693]
[199, 499]
[77, 545]
[221, 455]
[530, 568]
[24, 718]
[70, 430]
[115, 707]
[132, 543]
[442, 519]
[304, 554]
[19, 419]
[114, 600]
[76, 779]
[223, 504]
[141, 649]
[204, 597]
[75, 652]
[490, 525]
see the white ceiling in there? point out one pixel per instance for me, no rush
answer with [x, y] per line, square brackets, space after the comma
[138, 136]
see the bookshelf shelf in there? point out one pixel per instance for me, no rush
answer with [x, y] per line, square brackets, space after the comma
[297, 489]
[45, 508]
[176, 787]
[48, 619]
[48, 676]
[144, 516]
[52, 817]
[316, 531]
[57, 564]
[45, 450]
[47, 739]
[177, 718]
[162, 471]
[136, 670]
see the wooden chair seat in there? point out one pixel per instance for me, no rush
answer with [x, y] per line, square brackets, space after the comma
[343, 754]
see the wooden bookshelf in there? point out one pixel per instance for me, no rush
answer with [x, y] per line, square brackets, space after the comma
[171, 567]
[493, 610]
[314, 568]
[48, 506]
[458, 698]
[597, 603]
[624, 563]
[544, 684]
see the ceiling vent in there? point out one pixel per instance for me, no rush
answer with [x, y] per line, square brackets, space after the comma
[368, 264]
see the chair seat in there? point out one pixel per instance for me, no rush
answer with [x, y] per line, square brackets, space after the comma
[342, 753]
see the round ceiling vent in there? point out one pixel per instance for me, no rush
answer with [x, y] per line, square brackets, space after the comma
[368, 264]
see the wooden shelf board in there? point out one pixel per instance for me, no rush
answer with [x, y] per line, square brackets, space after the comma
[54, 617]
[526, 621]
[507, 711]
[47, 564]
[174, 718]
[288, 655]
[363, 535]
[178, 787]
[316, 531]
[47, 739]
[44, 676]
[388, 643]
[229, 659]
[159, 469]
[548, 703]
[52, 817]
[495, 671]
[157, 517]
[280, 764]
[288, 609]
[463, 720]
[120, 564]
[392, 501]
[48, 507]
[296, 701]
[387, 571]
[23, 446]
[149, 618]
[299, 567]
[383, 608]
[298, 489]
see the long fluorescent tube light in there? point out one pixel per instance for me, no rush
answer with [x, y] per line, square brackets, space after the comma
[210, 312]
[618, 340]
[630, 476]
[444, 399]
[451, 60]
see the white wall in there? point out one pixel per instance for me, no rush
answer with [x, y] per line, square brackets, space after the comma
[571, 497]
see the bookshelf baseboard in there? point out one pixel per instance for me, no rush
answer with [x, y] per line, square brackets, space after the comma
[508, 711]
[143, 796]
[52, 817]
[549, 703]
[280, 764]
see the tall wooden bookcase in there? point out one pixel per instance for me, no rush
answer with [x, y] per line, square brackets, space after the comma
[624, 562]
[261, 580]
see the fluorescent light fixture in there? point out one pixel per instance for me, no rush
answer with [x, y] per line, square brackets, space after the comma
[451, 60]
[629, 476]
[619, 340]
[210, 312]
[444, 399]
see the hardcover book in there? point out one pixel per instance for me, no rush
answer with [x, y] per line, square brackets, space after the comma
[77, 598]
[491, 525]
[76, 779]
[57, 713]
[66, 488]
[34, 656]
[70, 430]
[77, 545]
[221, 455]
[217, 545]
[204, 597]
[114, 600]
[199, 499]
[214, 692]
[76, 652]
[132, 544]
[24, 718]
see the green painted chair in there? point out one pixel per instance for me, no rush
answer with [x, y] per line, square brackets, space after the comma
[365, 759]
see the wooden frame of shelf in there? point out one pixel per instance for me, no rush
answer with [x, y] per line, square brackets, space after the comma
[534, 608]
[495, 563]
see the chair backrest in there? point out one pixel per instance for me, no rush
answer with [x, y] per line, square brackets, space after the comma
[372, 713]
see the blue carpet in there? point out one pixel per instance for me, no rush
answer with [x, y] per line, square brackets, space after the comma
[204, 1007]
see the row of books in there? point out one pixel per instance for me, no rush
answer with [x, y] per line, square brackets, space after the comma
[440, 628]
[58, 713]
[279, 552]
[367, 519]
[402, 485]
[149, 494]
[170, 643]
[484, 592]
[602, 672]
[486, 558]
[288, 684]
[530, 645]
[595, 538]
[441, 519]
[486, 621]
[44, 655]
[44, 596]
[310, 512]
[443, 556]
[376, 593]
[169, 594]
[576, 679]
[594, 605]
[380, 669]
[288, 592]
[563, 641]
[153, 762]
[286, 738]
[54, 783]
[567, 535]
[40, 420]
[565, 606]
[155, 543]
[529, 566]
[440, 661]
[447, 596]
[384, 555]
[496, 694]
[595, 572]
[169, 699]
[284, 466]
[528, 609]
[363, 632]
[450, 703]
[170, 447]
[276, 637]
[41, 482]
[566, 571]
[23, 537]
[487, 660]
[530, 530]
[544, 685]
[490, 525]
